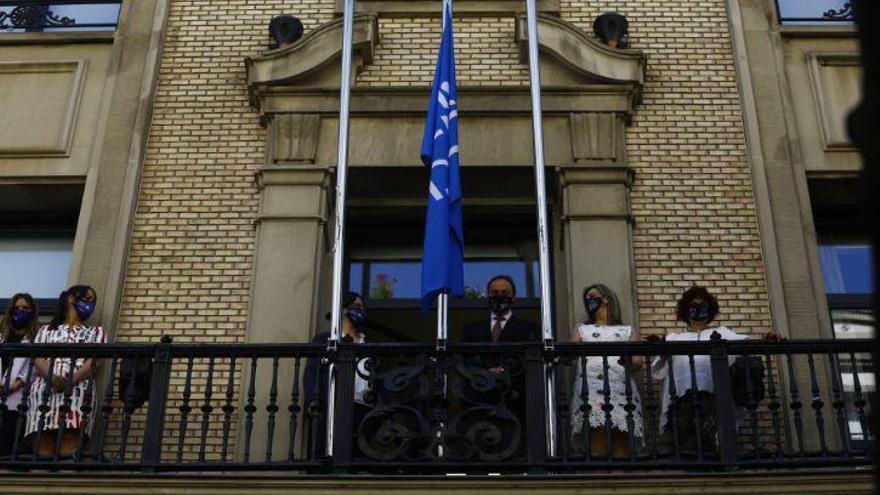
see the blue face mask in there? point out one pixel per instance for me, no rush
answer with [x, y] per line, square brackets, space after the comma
[593, 304]
[358, 316]
[20, 318]
[84, 309]
[698, 312]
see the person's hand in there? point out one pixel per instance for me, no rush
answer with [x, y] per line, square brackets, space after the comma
[654, 338]
[773, 337]
[496, 370]
[58, 384]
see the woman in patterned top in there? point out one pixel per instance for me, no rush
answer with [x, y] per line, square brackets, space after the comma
[65, 391]
[606, 385]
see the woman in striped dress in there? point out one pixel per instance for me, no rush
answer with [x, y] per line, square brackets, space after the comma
[65, 390]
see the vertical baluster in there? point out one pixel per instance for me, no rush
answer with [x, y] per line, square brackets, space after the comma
[859, 400]
[294, 408]
[44, 407]
[106, 411]
[87, 409]
[586, 408]
[651, 409]
[272, 408]
[629, 406]
[23, 408]
[249, 410]
[817, 404]
[127, 410]
[838, 404]
[696, 408]
[752, 407]
[796, 405]
[563, 413]
[64, 407]
[184, 409]
[773, 404]
[607, 407]
[228, 408]
[671, 413]
[206, 409]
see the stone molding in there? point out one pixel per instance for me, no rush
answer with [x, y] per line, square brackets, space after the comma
[316, 51]
[582, 53]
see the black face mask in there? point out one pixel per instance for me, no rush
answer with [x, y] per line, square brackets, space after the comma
[500, 304]
[593, 304]
[698, 312]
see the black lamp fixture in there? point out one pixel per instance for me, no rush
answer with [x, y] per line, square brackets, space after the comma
[612, 29]
[284, 30]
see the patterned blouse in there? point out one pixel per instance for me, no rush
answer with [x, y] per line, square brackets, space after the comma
[81, 393]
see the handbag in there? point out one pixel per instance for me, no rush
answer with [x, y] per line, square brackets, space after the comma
[744, 370]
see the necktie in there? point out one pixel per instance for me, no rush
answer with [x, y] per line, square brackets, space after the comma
[496, 328]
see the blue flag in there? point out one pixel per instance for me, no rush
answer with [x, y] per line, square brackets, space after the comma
[442, 262]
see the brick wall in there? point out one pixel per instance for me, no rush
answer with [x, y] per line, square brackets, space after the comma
[192, 241]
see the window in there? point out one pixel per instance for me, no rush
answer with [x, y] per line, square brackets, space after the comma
[37, 229]
[845, 256]
[385, 231]
[815, 12]
[63, 15]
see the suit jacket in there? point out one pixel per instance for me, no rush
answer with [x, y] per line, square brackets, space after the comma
[515, 330]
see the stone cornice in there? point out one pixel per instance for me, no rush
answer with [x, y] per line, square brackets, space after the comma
[311, 54]
[581, 53]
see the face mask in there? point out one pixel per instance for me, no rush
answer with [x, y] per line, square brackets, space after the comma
[84, 309]
[698, 312]
[500, 304]
[358, 316]
[593, 304]
[20, 318]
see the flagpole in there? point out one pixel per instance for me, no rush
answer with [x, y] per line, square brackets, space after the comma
[339, 235]
[543, 249]
[443, 297]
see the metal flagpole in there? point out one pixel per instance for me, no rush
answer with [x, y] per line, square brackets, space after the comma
[443, 297]
[339, 236]
[543, 249]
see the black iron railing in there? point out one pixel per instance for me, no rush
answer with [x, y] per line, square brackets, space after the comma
[469, 408]
[822, 12]
[58, 15]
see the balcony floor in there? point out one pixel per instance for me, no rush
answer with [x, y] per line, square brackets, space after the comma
[842, 482]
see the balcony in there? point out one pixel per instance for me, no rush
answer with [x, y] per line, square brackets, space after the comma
[58, 15]
[427, 411]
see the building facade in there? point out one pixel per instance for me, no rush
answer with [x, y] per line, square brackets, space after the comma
[186, 170]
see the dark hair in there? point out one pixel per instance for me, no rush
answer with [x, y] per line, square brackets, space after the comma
[77, 291]
[350, 297]
[30, 330]
[612, 312]
[501, 277]
[692, 294]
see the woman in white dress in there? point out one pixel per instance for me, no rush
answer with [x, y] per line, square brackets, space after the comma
[602, 323]
[65, 390]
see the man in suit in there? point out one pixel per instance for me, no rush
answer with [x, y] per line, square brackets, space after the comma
[502, 325]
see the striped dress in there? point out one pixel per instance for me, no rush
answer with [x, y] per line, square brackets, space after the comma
[80, 393]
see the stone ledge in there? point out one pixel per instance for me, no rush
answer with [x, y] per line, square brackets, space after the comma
[814, 482]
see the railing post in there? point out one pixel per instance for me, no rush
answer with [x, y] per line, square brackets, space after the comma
[343, 414]
[724, 410]
[151, 453]
[536, 411]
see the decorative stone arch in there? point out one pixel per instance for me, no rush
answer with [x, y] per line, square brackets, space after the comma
[589, 92]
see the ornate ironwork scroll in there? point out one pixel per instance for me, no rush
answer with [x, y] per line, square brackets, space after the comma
[32, 17]
[845, 13]
[441, 408]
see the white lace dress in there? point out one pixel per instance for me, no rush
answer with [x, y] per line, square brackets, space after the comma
[596, 384]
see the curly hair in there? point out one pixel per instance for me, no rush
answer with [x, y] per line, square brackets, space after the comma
[692, 294]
